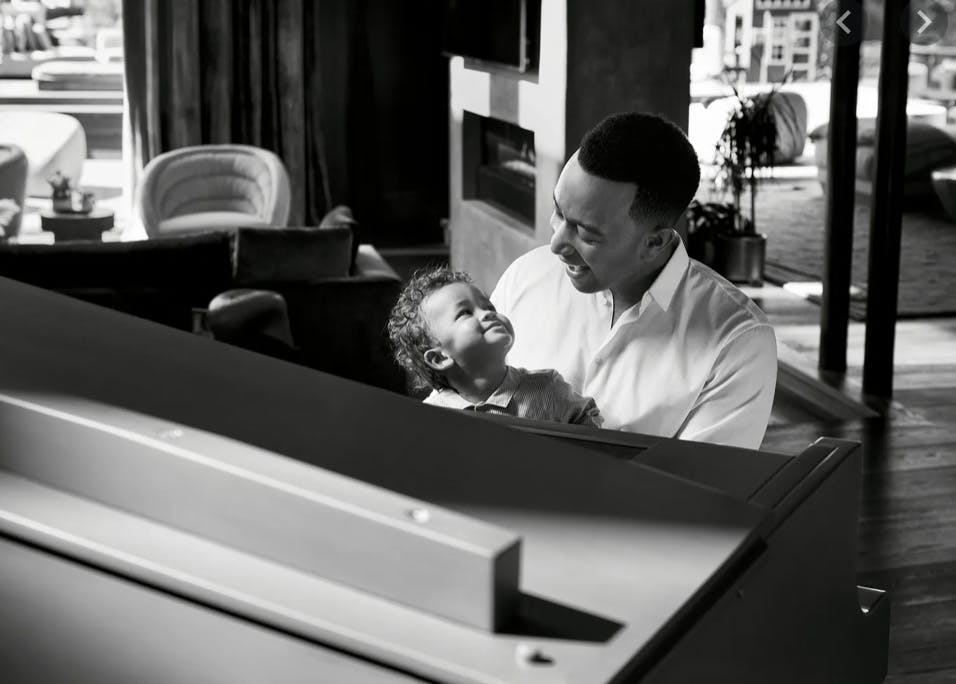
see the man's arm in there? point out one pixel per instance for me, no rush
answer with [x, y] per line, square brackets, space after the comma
[734, 405]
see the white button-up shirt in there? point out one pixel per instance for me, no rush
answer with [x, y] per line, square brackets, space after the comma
[694, 359]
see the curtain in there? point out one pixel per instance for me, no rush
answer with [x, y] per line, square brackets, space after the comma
[285, 75]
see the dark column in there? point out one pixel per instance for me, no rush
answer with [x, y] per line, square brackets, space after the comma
[841, 174]
[887, 210]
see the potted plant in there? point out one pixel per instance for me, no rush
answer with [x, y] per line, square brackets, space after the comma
[704, 221]
[745, 148]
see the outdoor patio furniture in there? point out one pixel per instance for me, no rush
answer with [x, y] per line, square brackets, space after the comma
[51, 142]
[790, 113]
[928, 148]
[213, 187]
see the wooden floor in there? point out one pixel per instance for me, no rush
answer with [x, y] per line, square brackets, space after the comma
[908, 512]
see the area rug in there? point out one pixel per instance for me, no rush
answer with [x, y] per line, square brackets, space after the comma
[791, 214]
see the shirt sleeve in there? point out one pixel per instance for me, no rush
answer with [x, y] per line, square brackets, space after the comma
[733, 408]
[579, 410]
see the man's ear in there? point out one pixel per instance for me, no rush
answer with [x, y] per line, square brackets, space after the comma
[658, 240]
[438, 360]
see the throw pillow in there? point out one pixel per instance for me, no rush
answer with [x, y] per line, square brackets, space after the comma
[42, 37]
[290, 255]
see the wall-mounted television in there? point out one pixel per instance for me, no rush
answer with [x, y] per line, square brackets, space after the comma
[504, 32]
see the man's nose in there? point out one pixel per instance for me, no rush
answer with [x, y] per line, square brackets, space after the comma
[559, 238]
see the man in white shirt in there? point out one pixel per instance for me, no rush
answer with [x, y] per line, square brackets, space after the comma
[663, 344]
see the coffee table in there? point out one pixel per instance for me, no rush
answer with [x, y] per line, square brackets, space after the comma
[77, 226]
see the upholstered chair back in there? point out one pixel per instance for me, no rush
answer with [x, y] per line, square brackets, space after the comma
[213, 187]
[13, 182]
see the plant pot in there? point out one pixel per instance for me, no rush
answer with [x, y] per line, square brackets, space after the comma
[739, 257]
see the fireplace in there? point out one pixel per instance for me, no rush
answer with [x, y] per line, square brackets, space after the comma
[498, 166]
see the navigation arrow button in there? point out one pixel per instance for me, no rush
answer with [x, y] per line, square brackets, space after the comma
[839, 22]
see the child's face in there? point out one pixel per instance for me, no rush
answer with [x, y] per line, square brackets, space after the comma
[466, 327]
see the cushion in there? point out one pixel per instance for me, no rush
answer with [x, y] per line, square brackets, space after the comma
[210, 220]
[287, 255]
[790, 112]
[42, 37]
[927, 148]
[69, 75]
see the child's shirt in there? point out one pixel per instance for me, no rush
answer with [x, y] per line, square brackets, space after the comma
[537, 395]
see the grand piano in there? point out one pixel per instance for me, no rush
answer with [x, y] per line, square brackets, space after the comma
[177, 510]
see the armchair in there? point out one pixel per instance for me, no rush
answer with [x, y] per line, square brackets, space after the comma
[13, 181]
[213, 187]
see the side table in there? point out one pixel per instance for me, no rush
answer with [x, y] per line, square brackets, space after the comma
[77, 226]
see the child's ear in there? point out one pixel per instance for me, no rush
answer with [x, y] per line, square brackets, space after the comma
[438, 360]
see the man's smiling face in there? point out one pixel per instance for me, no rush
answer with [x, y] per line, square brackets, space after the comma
[594, 234]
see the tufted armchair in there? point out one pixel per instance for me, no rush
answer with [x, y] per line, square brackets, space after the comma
[210, 187]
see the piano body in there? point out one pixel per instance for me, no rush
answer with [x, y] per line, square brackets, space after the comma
[173, 509]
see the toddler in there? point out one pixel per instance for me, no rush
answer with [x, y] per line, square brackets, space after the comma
[448, 336]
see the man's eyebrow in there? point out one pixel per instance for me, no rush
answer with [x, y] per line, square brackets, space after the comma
[592, 229]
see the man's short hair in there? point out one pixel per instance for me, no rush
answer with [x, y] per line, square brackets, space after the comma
[408, 331]
[648, 151]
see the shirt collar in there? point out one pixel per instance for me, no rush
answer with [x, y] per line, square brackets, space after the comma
[501, 397]
[665, 285]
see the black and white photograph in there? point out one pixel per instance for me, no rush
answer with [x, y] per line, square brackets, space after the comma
[477, 341]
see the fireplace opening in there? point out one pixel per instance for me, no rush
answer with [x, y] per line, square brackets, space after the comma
[499, 165]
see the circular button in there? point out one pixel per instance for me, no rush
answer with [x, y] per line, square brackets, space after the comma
[844, 23]
[925, 21]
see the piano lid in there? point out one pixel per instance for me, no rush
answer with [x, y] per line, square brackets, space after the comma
[613, 554]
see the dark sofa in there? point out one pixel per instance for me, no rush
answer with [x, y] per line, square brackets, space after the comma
[338, 319]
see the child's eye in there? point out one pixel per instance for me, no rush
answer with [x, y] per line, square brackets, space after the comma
[463, 312]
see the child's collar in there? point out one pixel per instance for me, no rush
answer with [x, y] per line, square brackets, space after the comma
[500, 398]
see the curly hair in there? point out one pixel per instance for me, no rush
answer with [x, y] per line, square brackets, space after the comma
[408, 331]
[646, 150]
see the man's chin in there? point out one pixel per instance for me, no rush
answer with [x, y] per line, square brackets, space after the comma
[582, 278]
[587, 284]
